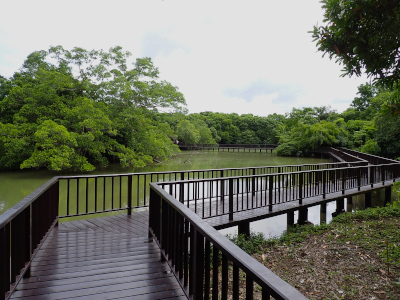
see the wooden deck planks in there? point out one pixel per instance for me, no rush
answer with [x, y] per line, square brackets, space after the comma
[100, 258]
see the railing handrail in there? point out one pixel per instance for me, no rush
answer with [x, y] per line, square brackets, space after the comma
[260, 273]
[344, 156]
[200, 170]
[379, 158]
[269, 174]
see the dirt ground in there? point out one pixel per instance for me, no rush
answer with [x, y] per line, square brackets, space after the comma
[326, 266]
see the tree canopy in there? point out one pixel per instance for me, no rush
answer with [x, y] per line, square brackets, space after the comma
[77, 109]
[362, 35]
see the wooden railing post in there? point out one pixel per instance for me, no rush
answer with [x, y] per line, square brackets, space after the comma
[270, 190]
[129, 194]
[230, 182]
[253, 182]
[301, 188]
[181, 192]
[199, 262]
[5, 279]
[324, 173]
[371, 175]
[344, 177]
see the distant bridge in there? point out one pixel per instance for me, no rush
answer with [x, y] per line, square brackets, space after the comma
[168, 251]
[229, 147]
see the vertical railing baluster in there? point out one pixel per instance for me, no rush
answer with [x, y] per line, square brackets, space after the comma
[344, 179]
[225, 278]
[301, 188]
[77, 196]
[87, 195]
[112, 192]
[186, 255]
[137, 188]
[129, 200]
[270, 190]
[5, 240]
[230, 182]
[95, 194]
[104, 193]
[266, 295]
[120, 191]
[207, 269]
[68, 196]
[144, 191]
[249, 287]
[215, 281]
[235, 282]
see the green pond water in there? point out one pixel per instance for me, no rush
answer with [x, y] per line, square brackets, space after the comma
[16, 185]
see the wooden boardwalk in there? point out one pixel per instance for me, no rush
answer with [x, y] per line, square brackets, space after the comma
[100, 258]
[250, 208]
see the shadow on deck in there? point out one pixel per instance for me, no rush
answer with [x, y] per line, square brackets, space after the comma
[100, 258]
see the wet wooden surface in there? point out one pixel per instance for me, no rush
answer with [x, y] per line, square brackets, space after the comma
[100, 258]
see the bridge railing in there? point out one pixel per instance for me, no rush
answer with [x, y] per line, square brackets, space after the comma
[372, 159]
[226, 196]
[262, 146]
[83, 195]
[342, 156]
[22, 229]
[205, 262]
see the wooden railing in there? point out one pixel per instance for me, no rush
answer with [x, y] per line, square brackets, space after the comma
[372, 159]
[204, 261]
[262, 146]
[22, 229]
[226, 196]
[83, 195]
[342, 156]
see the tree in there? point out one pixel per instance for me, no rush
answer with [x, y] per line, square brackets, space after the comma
[303, 139]
[365, 92]
[363, 36]
[77, 109]
[187, 132]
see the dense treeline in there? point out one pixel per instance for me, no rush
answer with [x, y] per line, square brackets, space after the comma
[209, 127]
[79, 109]
[369, 125]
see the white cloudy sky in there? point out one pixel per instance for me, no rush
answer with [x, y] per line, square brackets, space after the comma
[225, 56]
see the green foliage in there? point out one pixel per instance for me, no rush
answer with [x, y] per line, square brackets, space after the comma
[250, 244]
[363, 36]
[360, 132]
[302, 139]
[366, 92]
[376, 213]
[187, 132]
[78, 109]
[371, 147]
[387, 135]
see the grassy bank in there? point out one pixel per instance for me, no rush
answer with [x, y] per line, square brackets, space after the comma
[356, 256]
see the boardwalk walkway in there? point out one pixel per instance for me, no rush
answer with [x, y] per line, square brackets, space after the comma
[100, 258]
[250, 209]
